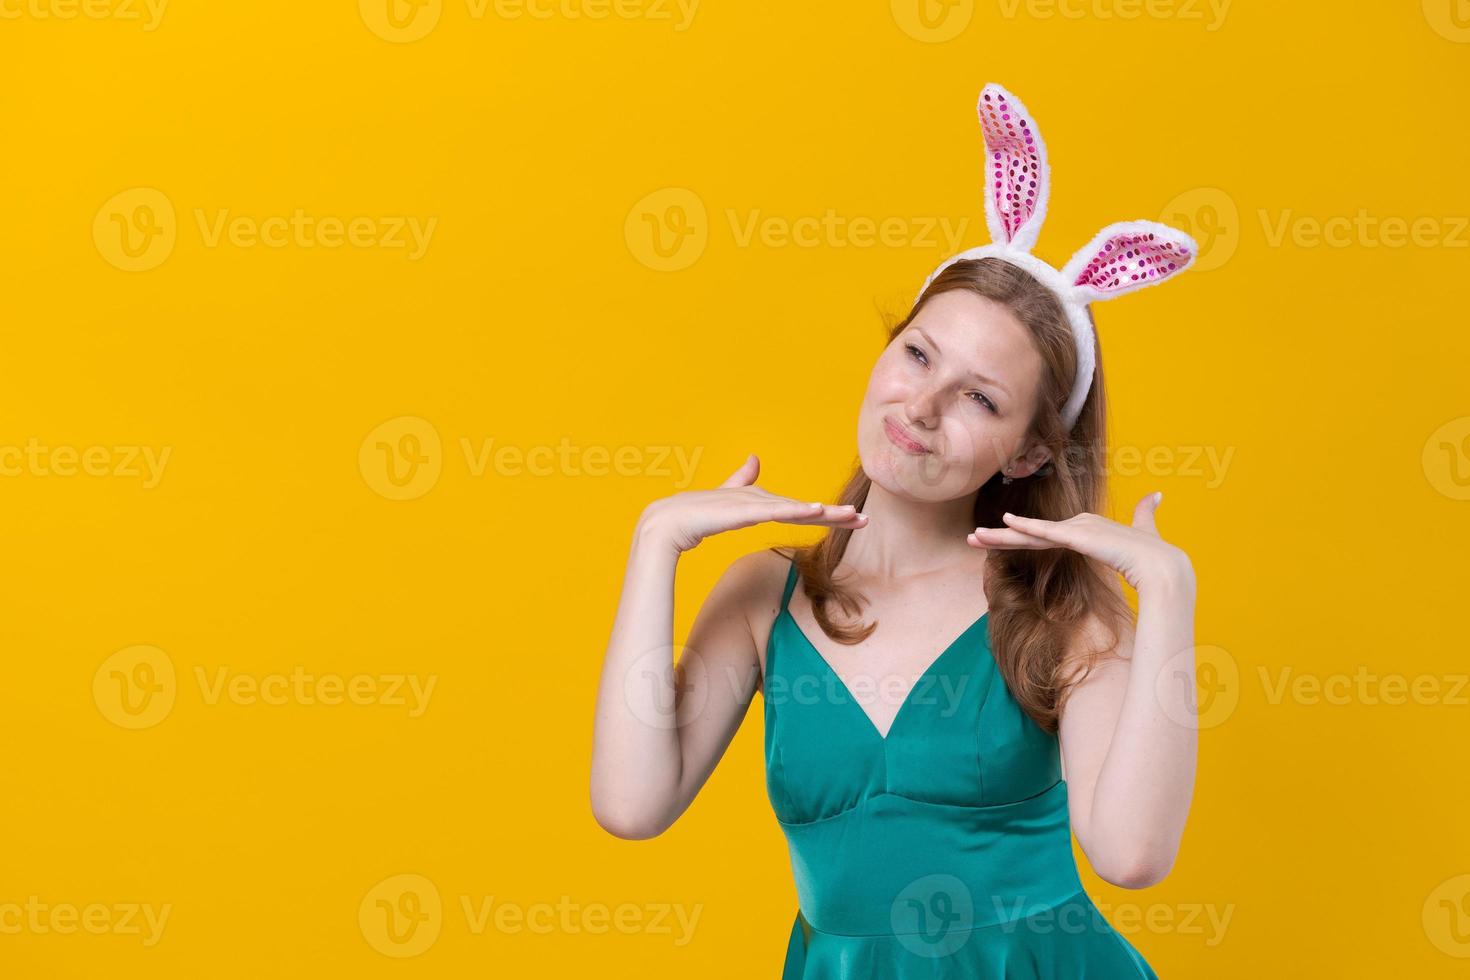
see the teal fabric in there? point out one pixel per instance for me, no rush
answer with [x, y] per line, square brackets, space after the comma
[942, 850]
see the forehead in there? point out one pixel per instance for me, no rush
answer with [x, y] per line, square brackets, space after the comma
[973, 328]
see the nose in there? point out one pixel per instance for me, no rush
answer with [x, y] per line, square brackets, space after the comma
[922, 406]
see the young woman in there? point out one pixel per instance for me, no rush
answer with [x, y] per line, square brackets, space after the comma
[952, 679]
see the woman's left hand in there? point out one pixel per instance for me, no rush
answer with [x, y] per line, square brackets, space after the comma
[1136, 552]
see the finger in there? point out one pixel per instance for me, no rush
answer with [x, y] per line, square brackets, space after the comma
[838, 515]
[791, 511]
[1006, 538]
[1066, 535]
[745, 475]
[1143, 514]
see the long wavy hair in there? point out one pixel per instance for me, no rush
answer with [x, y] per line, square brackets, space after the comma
[1039, 599]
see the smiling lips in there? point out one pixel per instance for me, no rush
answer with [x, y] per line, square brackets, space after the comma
[900, 437]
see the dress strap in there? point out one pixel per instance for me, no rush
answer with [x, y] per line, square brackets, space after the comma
[790, 586]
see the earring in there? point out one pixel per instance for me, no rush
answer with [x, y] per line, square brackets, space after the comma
[1006, 478]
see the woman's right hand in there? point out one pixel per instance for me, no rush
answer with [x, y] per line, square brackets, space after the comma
[687, 518]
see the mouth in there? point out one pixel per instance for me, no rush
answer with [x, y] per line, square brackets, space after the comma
[900, 436]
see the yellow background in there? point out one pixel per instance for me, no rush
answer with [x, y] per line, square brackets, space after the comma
[1332, 377]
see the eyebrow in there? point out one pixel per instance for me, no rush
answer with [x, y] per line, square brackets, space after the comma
[974, 374]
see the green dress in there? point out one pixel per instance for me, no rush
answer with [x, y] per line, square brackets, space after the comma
[942, 850]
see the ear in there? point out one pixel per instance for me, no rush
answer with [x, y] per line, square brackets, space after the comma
[1017, 177]
[1031, 460]
[1128, 255]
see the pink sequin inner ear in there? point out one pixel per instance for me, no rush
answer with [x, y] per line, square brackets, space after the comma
[1132, 259]
[1014, 165]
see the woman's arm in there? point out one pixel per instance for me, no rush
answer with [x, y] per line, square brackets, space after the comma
[1128, 748]
[660, 729]
[1128, 730]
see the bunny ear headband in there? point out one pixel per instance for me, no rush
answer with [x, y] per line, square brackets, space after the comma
[1124, 256]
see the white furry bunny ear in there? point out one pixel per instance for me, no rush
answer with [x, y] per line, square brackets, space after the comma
[1124, 256]
[1017, 177]
[1128, 255]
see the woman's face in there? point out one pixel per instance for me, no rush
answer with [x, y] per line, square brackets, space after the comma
[950, 400]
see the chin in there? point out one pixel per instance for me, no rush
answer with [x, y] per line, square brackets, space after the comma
[930, 477]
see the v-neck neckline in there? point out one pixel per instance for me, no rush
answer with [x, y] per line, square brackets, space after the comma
[908, 696]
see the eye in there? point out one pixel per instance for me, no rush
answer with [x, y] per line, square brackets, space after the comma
[984, 401]
[980, 398]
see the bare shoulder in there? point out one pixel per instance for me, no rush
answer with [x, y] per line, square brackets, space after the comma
[756, 581]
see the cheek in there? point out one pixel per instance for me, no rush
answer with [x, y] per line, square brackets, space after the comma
[889, 382]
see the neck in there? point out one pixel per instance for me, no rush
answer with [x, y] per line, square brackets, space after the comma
[906, 538]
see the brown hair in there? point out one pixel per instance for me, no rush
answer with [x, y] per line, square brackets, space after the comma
[1039, 600]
